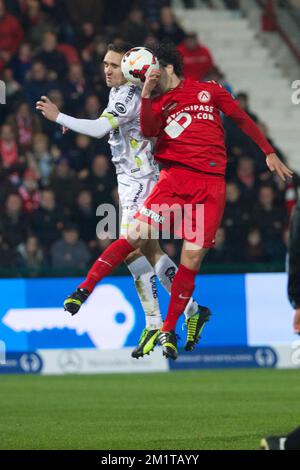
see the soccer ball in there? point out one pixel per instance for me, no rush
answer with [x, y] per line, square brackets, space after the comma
[137, 63]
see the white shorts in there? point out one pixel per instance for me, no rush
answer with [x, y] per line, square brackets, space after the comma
[132, 194]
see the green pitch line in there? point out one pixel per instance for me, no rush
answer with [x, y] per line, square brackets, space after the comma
[179, 410]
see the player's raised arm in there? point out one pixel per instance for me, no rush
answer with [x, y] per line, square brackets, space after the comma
[150, 122]
[92, 127]
[229, 106]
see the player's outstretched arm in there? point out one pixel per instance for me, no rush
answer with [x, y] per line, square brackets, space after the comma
[229, 106]
[92, 127]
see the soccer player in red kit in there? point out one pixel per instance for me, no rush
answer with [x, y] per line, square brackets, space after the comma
[186, 120]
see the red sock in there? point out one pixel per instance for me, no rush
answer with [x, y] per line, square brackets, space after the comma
[110, 259]
[181, 292]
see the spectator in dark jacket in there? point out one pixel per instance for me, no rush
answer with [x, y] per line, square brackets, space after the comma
[54, 60]
[13, 222]
[48, 220]
[169, 28]
[70, 251]
[84, 216]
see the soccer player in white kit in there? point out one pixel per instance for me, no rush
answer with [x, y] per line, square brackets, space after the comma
[137, 174]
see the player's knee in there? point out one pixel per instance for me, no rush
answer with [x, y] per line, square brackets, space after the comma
[152, 250]
[133, 256]
[193, 257]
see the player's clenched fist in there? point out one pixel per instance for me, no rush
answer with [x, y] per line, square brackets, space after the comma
[150, 83]
[47, 108]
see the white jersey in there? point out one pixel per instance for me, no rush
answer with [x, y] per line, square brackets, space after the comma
[132, 153]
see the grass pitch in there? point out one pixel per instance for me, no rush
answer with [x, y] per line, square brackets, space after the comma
[190, 410]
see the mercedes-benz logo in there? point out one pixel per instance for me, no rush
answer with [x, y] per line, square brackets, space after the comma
[70, 361]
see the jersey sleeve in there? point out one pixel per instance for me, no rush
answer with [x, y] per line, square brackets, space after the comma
[124, 109]
[97, 128]
[228, 105]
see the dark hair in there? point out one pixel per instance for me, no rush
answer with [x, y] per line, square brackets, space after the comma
[120, 47]
[167, 54]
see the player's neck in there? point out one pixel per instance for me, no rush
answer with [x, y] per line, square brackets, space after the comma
[173, 82]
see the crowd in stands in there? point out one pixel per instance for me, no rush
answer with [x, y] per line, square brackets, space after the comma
[51, 183]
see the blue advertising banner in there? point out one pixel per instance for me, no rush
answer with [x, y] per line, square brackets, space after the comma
[32, 317]
[226, 357]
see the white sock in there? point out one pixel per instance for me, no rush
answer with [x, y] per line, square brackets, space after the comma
[145, 284]
[165, 269]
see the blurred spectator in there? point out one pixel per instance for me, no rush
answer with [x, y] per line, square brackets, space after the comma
[197, 59]
[36, 22]
[235, 137]
[134, 27]
[13, 222]
[254, 251]
[82, 154]
[25, 124]
[91, 11]
[77, 88]
[65, 184]
[54, 60]
[270, 217]
[30, 254]
[7, 254]
[92, 107]
[37, 83]
[11, 35]
[169, 28]
[243, 101]
[237, 217]
[246, 179]
[43, 158]
[48, 220]
[29, 192]
[100, 181]
[9, 152]
[84, 216]
[70, 251]
[21, 64]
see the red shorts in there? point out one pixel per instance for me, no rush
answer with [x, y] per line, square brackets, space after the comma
[186, 203]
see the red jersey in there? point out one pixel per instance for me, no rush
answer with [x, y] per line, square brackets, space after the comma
[188, 126]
